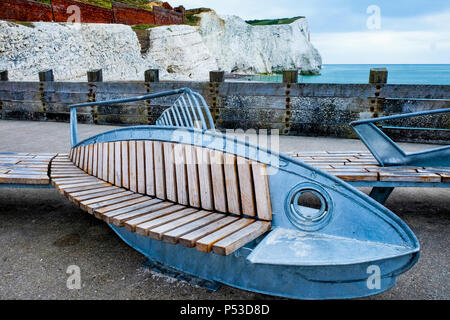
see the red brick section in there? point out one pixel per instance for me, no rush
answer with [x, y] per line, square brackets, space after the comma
[165, 17]
[25, 10]
[89, 13]
[131, 16]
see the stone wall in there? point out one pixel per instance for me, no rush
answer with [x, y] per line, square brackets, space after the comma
[31, 11]
[294, 109]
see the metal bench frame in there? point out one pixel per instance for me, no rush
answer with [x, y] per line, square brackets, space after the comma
[389, 154]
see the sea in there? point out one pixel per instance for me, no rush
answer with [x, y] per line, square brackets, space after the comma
[437, 74]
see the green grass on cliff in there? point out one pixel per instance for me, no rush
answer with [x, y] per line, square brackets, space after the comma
[107, 3]
[269, 22]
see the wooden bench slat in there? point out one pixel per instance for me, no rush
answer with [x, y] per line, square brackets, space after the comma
[111, 162]
[23, 179]
[262, 192]
[130, 225]
[133, 176]
[192, 174]
[189, 239]
[240, 238]
[160, 180]
[90, 168]
[92, 196]
[144, 228]
[79, 189]
[125, 165]
[232, 184]
[181, 174]
[169, 170]
[118, 164]
[149, 169]
[86, 158]
[158, 232]
[121, 219]
[411, 177]
[173, 236]
[137, 198]
[218, 181]
[140, 167]
[89, 203]
[107, 217]
[205, 244]
[77, 197]
[104, 159]
[100, 161]
[204, 178]
[77, 185]
[81, 158]
[246, 187]
[106, 204]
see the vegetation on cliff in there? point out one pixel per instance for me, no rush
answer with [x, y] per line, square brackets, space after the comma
[143, 4]
[269, 22]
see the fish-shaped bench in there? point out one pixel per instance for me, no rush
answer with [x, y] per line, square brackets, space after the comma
[226, 210]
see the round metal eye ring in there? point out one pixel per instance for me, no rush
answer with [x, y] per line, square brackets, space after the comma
[305, 218]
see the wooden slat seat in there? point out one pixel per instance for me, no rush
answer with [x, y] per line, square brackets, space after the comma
[25, 168]
[359, 166]
[158, 194]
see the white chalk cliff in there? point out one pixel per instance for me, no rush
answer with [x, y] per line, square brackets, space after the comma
[240, 47]
[181, 52]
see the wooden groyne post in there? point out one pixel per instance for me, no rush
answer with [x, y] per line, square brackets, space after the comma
[377, 77]
[46, 76]
[217, 76]
[95, 75]
[290, 76]
[152, 75]
[4, 75]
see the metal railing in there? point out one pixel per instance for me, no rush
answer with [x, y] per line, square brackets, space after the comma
[189, 111]
[388, 153]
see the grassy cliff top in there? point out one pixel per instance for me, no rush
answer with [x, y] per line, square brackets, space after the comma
[269, 22]
[143, 4]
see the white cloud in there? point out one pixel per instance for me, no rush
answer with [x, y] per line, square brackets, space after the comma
[383, 47]
[424, 38]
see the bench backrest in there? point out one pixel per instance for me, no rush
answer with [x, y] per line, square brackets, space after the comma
[185, 174]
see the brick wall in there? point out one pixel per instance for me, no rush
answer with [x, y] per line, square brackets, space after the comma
[25, 10]
[166, 17]
[131, 16]
[89, 13]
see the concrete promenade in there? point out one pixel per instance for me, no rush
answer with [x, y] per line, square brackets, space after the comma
[42, 234]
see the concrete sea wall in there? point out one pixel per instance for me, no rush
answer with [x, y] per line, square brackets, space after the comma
[294, 109]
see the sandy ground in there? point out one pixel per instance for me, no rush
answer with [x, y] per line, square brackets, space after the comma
[42, 234]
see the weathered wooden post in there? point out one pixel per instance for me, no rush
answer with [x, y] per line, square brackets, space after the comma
[216, 76]
[95, 75]
[4, 75]
[290, 76]
[46, 76]
[152, 75]
[378, 76]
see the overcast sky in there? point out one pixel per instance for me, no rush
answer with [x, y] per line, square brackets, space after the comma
[349, 31]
